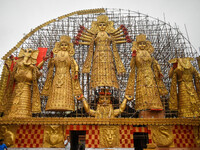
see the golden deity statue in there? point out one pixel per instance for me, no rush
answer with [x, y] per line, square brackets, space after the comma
[63, 86]
[22, 96]
[102, 36]
[149, 84]
[187, 100]
[104, 106]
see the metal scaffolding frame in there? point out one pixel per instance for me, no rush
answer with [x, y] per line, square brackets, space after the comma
[168, 42]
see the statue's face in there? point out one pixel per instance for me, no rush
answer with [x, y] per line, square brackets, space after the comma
[64, 46]
[28, 52]
[142, 45]
[110, 136]
[102, 26]
[104, 99]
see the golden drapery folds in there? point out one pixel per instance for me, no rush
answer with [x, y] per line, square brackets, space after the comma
[149, 84]
[187, 100]
[100, 36]
[63, 86]
[3, 84]
[20, 103]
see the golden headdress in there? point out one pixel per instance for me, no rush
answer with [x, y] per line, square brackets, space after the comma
[142, 38]
[65, 39]
[102, 18]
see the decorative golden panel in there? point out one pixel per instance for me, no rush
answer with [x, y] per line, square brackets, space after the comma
[109, 136]
[162, 136]
[53, 136]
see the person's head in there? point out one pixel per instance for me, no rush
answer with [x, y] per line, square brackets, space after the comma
[1, 141]
[68, 138]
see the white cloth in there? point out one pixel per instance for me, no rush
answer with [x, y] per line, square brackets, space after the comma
[67, 147]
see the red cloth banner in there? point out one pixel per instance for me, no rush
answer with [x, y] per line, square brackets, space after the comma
[42, 53]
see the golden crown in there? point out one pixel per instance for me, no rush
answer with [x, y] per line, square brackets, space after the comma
[141, 38]
[65, 38]
[102, 18]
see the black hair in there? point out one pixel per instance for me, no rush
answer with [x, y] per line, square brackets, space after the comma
[1, 140]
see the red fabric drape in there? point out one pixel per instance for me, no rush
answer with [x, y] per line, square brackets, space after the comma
[42, 53]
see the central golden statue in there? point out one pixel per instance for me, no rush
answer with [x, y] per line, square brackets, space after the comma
[104, 106]
[63, 86]
[102, 36]
[149, 84]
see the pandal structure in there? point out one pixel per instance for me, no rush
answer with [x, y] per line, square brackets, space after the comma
[167, 42]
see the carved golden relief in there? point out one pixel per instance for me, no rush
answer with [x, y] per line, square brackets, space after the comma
[149, 85]
[53, 136]
[187, 100]
[102, 34]
[20, 102]
[65, 83]
[196, 131]
[162, 136]
[7, 132]
[104, 106]
[108, 136]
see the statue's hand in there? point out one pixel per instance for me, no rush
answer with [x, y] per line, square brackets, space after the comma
[45, 58]
[161, 76]
[51, 55]
[12, 57]
[76, 75]
[80, 98]
[32, 66]
[129, 98]
[113, 40]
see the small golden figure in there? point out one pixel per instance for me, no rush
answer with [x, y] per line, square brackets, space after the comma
[20, 102]
[187, 100]
[102, 35]
[104, 106]
[62, 87]
[149, 84]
